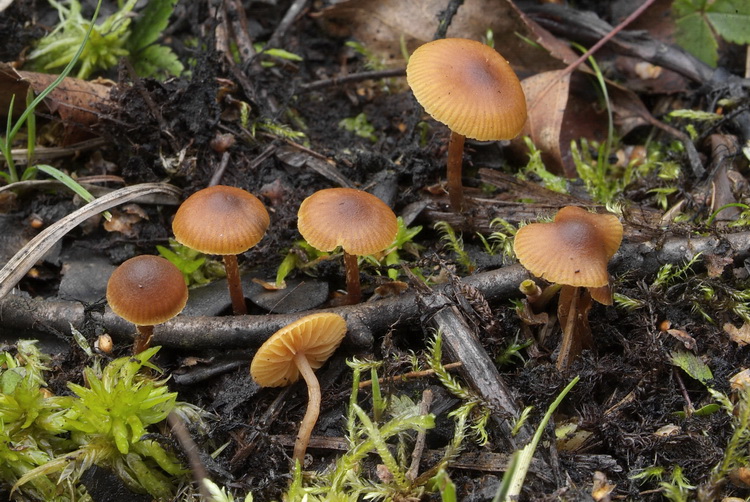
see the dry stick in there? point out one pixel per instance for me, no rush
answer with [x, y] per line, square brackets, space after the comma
[416, 454]
[572, 66]
[639, 260]
[286, 22]
[409, 375]
[351, 78]
[191, 452]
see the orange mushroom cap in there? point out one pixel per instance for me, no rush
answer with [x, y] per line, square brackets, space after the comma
[357, 221]
[221, 220]
[573, 250]
[469, 87]
[147, 290]
[316, 336]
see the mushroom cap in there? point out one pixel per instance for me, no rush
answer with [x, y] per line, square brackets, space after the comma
[357, 221]
[316, 336]
[147, 290]
[469, 87]
[573, 250]
[220, 220]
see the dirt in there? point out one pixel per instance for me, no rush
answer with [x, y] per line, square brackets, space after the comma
[629, 388]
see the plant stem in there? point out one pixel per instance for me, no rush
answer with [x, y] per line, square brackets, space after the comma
[235, 286]
[313, 407]
[455, 161]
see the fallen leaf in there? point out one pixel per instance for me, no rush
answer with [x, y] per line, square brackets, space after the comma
[380, 25]
[77, 102]
[740, 336]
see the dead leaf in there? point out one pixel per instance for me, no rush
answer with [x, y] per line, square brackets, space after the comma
[77, 102]
[380, 25]
[602, 488]
[740, 336]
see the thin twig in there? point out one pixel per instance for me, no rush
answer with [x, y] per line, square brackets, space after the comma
[409, 375]
[352, 77]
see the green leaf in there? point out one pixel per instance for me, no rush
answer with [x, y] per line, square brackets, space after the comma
[698, 20]
[692, 365]
[150, 23]
[158, 60]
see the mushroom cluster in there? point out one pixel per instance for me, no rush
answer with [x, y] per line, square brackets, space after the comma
[583, 244]
[471, 88]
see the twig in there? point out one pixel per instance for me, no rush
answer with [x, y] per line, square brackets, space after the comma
[286, 22]
[352, 77]
[639, 260]
[419, 444]
[445, 18]
[191, 452]
[409, 375]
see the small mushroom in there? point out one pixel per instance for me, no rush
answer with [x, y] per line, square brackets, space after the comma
[298, 349]
[146, 290]
[357, 221]
[572, 251]
[222, 220]
[471, 88]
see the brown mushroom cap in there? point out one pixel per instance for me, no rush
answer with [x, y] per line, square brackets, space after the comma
[469, 87]
[357, 221]
[316, 336]
[573, 250]
[147, 290]
[221, 220]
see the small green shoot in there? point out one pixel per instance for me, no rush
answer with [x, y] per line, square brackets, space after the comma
[360, 126]
[668, 274]
[536, 166]
[501, 240]
[119, 35]
[510, 488]
[196, 268]
[455, 243]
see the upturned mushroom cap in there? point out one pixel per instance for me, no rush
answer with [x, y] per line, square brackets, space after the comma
[221, 220]
[147, 290]
[573, 250]
[469, 87]
[357, 221]
[316, 336]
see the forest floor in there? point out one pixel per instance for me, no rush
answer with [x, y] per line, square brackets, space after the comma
[655, 413]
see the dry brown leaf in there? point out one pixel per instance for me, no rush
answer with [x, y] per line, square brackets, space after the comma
[740, 336]
[380, 25]
[77, 102]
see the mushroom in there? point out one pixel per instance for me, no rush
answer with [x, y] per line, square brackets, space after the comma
[471, 88]
[357, 221]
[582, 244]
[225, 221]
[298, 349]
[146, 290]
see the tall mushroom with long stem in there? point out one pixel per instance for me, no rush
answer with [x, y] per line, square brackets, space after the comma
[582, 244]
[471, 88]
[357, 221]
[225, 221]
[299, 349]
[146, 290]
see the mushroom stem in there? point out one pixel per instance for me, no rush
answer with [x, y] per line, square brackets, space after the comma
[569, 330]
[455, 161]
[353, 287]
[143, 339]
[235, 286]
[313, 407]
